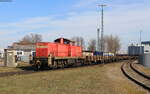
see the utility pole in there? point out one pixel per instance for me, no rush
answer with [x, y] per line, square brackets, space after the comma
[102, 27]
[140, 37]
[140, 42]
[98, 40]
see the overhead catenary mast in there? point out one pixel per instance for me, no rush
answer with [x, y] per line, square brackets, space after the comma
[102, 27]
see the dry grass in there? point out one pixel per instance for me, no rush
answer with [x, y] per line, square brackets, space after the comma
[20, 67]
[100, 79]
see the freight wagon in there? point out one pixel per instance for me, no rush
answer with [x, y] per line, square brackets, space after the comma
[63, 53]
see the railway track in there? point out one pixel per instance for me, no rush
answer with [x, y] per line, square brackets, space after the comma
[138, 71]
[6, 74]
[135, 75]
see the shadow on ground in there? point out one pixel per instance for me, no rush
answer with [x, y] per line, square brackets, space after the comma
[26, 68]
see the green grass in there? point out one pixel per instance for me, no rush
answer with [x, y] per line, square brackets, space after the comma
[98, 79]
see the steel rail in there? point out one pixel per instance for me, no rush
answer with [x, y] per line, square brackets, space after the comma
[133, 79]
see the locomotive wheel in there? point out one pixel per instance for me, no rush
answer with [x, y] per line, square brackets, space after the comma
[36, 67]
[63, 65]
[55, 66]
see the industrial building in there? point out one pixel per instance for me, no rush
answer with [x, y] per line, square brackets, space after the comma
[1, 53]
[23, 50]
[143, 51]
[146, 45]
[135, 50]
[139, 49]
[145, 58]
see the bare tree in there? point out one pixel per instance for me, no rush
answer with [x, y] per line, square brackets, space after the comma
[109, 43]
[112, 44]
[32, 38]
[79, 41]
[92, 45]
[117, 44]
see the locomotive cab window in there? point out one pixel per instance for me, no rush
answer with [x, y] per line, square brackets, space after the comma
[66, 42]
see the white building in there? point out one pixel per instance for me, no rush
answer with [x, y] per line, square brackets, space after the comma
[1, 53]
[146, 45]
[135, 49]
[24, 50]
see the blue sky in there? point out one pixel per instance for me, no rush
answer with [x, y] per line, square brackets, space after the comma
[68, 18]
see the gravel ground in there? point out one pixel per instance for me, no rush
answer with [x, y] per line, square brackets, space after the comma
[143, 69]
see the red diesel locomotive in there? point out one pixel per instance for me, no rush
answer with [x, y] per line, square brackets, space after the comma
[60, 48]
[60, 53]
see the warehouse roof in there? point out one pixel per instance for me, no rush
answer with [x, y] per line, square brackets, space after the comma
[146, 42]
[22, 46]
[23, 43]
